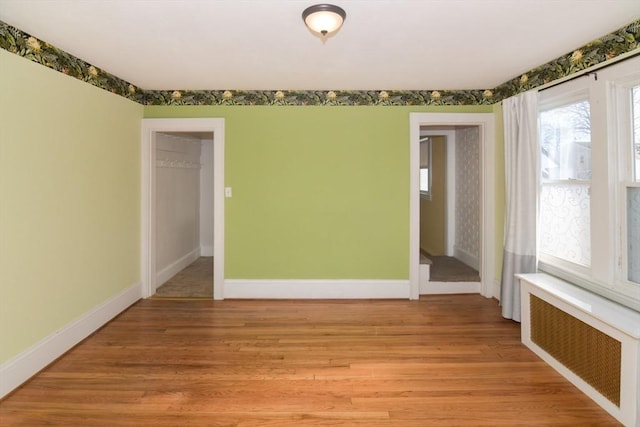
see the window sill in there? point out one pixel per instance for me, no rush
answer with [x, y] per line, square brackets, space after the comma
[589, 285]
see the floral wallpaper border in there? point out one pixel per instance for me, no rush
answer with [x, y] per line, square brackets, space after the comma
[29, 47]
[330, 97]
[622, 41]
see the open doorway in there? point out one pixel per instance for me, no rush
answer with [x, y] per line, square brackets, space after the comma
[184, 214]
[449, 209]
[442, 123]
[182, 183]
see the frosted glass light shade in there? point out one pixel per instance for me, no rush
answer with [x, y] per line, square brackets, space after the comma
[324, 19]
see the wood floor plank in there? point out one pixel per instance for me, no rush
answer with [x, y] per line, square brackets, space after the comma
[441, 361]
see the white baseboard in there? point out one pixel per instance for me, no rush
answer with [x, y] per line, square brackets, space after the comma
[316, 289]
[175, 267]
[206, 250]
[432, 288]
[467, 258]
[425, 273]
[20, 368]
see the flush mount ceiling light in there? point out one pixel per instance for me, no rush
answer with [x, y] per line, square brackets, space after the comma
[324, 19]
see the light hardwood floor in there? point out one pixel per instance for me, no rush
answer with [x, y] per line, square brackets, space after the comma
[441, 361]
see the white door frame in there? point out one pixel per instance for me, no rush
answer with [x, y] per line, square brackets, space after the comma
[485, 121]
[147, 209]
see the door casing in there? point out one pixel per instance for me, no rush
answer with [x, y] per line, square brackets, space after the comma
[485, 121]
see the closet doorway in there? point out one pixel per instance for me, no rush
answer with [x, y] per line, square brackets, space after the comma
[184, 215]
[183, 208]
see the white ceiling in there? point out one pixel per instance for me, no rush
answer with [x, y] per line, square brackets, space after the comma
[264, 45]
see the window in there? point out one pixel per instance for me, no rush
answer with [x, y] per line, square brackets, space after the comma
[565, 163]
[589, 200]
[425, 167]
[629, 108]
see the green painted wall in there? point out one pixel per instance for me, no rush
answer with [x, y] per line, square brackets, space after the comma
[69, 200]
[318, 192]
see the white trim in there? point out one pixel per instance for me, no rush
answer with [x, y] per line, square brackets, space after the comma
[315, 289]
[206, 250]
[439, 288]
[175, 267]
[466, 257]
[425, 274]
[149, 128]
[23, 366]
[414, 207]
[487, 218]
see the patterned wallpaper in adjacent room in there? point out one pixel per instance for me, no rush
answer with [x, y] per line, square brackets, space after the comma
[467, 219]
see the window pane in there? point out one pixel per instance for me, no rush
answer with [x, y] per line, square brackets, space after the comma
[633, 234]
[564, 222]
[565, 142]
[424, 180]
[636, 133]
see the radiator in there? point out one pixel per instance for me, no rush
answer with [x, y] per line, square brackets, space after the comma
[590, 340]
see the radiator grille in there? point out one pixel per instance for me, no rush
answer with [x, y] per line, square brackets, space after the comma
[587, 352]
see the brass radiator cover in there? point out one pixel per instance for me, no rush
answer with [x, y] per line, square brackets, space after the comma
[587, 352]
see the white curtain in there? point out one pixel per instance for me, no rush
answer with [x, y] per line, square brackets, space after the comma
[521, 178]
